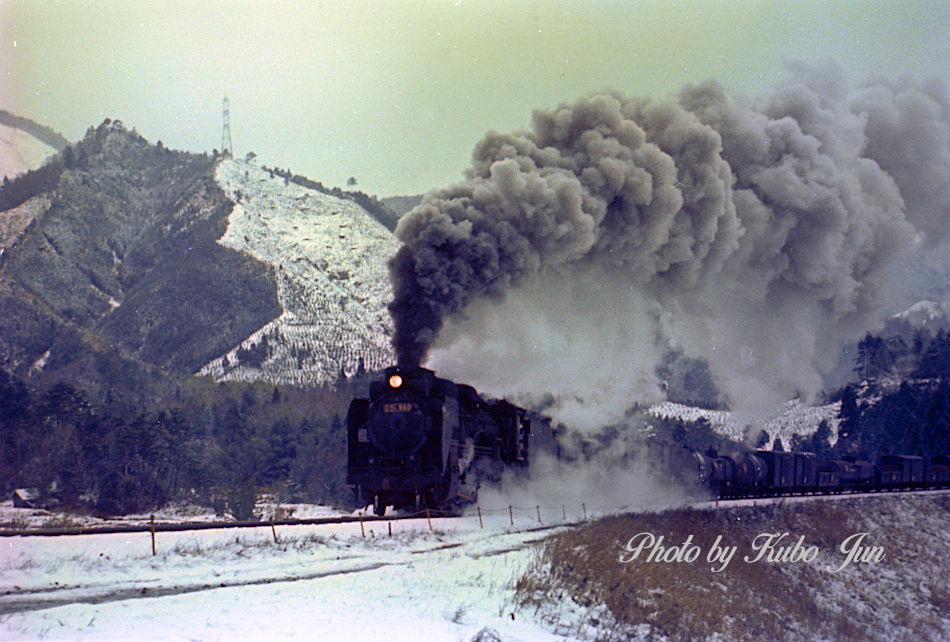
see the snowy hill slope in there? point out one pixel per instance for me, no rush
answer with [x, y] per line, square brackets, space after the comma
[20, 152]
[330, 258]
[923, 315]
[792, 418]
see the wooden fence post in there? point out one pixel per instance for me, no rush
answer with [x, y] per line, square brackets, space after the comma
[153, 535]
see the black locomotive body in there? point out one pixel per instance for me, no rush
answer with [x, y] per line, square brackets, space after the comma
[420, 441]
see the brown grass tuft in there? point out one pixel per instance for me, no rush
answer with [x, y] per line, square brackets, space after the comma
[765, 601]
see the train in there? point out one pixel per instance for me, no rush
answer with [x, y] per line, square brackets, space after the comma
[422, 442]
[769, 473]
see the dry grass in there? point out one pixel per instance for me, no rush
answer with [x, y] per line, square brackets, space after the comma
[61, 521]
[17, 522]
[31, 520]
[761, 600]
[940, 599]
[65, 516]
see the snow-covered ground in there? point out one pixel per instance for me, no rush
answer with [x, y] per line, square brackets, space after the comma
[330, 257]
[448, 579]
[36, 518]
[325, 582]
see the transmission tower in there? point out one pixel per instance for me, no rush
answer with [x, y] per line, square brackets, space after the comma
[226, 147]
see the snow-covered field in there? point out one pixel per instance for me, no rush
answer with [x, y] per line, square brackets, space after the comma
[36, 518]
[448, 579]
[325, 582]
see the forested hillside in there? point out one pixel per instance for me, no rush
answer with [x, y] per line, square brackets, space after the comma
[898, 403]
[902, 403]
[116, 274]
[121, 275]
[213, 444]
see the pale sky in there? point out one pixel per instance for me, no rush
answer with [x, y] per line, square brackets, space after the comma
[397, 93]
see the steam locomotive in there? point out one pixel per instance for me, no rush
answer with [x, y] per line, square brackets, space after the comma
[420, 442]
[765, 473]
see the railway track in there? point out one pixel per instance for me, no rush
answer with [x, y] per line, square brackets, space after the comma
[839, 494]
[164, 527]
[160, 527]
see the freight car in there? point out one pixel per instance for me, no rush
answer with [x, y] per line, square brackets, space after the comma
[770, 473]
[420, 441]
[938, 472]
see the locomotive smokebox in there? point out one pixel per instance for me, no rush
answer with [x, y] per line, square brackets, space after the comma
[397, 425]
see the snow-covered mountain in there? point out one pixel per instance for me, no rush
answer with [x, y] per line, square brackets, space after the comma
[330, 258]
[125, 264]
[923, 314]
[792, 418]
[927, 316]
[20, 152]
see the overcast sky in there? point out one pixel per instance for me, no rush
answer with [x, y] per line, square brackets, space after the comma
[397, 93]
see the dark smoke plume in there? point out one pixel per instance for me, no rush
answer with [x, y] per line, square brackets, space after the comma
[584, 186]
[717, 212]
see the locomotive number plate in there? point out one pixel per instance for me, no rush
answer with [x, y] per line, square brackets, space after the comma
[397, 407]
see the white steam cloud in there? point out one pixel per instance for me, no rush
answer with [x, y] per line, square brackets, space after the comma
[561, 491]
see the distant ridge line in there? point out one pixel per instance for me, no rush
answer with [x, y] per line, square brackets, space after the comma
[43, 133]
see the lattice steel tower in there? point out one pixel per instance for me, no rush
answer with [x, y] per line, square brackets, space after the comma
[226, 148]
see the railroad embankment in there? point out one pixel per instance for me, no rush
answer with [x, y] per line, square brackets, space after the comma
[870, 568]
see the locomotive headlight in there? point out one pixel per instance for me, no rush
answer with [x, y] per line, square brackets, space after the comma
[395, 381]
